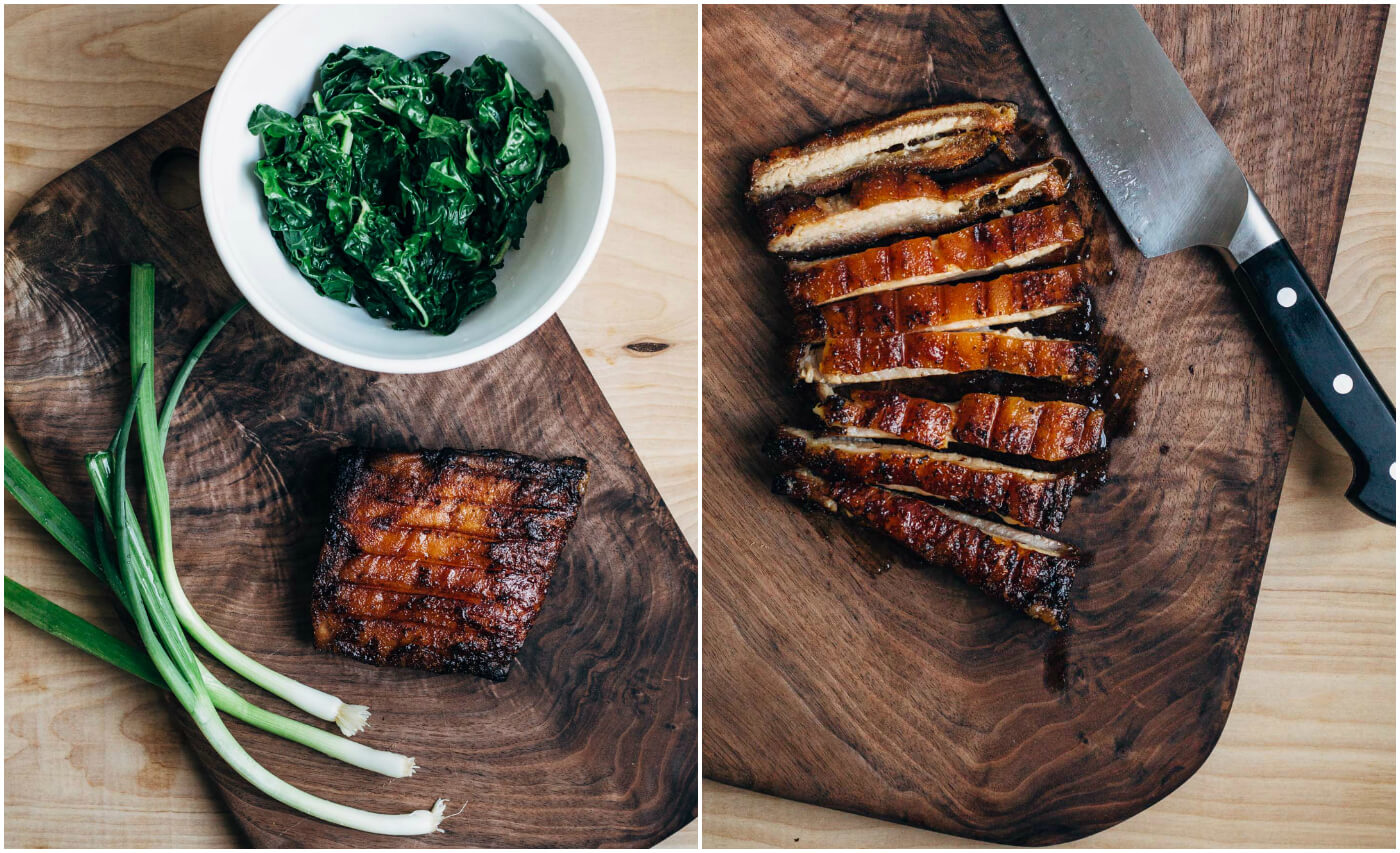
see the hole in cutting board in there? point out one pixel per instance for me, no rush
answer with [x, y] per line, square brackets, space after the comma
[176, 177]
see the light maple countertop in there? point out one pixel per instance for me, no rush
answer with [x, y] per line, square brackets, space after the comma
[1307, 757]
[91, 757]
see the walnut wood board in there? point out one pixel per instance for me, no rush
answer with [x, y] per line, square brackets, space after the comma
[592, 739]
[905, 695]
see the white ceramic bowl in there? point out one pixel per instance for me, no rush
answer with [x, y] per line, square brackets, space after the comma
[276, 64]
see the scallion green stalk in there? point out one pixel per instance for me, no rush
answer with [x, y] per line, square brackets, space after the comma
[350, 718]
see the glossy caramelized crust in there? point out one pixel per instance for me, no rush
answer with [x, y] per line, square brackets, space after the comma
[895, 203]
[1031, 498]
[1012, 298]
[1010, 242]
[440, 560]
[1031, 573]
[844, 361]
[941, 137]
[1052, 431]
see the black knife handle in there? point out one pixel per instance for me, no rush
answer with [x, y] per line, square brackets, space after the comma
[1328, 368]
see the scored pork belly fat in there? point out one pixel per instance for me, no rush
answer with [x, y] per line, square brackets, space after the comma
[1052, 431]
[847, 361]
[1013, 298]
[896, 203]
[1031, 573]
[1021, 496]
[942, 137]
[1009, 242]
[440, 560]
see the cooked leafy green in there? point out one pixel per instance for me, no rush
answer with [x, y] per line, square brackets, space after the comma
[399, 188]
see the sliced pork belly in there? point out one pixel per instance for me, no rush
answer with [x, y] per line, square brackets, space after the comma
[1029, 572]
[846, 361]
[1021, 496]
[1011, 242]
[897, 203]
[1013, 298]
[441, 560]
[1052, 431]
[942, 137]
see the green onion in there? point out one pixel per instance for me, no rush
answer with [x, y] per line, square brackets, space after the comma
[49, 511]
[350, 718]
[169, 660]
[226, 700]
[174, 659]
[77, 631]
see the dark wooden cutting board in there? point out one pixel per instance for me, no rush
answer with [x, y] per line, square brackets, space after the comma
[907, 695]
[592, 739]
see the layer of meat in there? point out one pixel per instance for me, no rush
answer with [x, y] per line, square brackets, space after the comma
[896, 203]
[941, 137]
[845, 361]
[441, 560]
[1031, 573]
[1018, 495]
[1013, 298]
[1052, 431]
[1011, 242]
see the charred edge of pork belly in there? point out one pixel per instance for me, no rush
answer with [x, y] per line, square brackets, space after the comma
[1022, 297]
[843, 361]
[894, 415]
[414, 646]
[806, 226]
[981, 125]
[567, 476]
[1030, 572]
[1038, 236]
[1054, 431]
[1051, 431]
[1021, 496]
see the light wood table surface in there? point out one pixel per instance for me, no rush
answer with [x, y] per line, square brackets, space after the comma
[91, 756]
[1307, 758]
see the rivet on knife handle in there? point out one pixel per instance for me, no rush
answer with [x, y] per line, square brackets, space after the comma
[1326, 365]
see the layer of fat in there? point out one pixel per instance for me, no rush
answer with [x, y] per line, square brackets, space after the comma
[823, 163]
[1015, 535]
[845, 221]
[814, 375]
[915, 490]
[809, 365]
[982, 323]
[1016, 262]
[850, 444]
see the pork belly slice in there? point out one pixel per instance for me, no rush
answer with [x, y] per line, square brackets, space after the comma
[941, 137]
[441, 560]
[1052, 431]
[846, 361]
[1021, 496]
[1042, 235]
[1013, 298]
[1029, 572]
[897, 203]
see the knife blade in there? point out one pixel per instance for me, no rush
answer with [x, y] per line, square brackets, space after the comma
[1173, 185]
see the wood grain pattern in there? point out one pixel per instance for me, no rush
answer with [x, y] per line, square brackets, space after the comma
[591, 741]
[81, 77]
[930, 708]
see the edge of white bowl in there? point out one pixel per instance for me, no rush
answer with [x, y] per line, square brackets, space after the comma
[506, 338]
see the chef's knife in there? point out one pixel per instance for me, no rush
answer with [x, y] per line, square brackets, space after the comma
[1174, 185]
